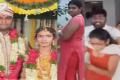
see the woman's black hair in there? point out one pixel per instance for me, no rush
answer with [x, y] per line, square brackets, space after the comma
[102, 35]
[50, 29]
[75, 2]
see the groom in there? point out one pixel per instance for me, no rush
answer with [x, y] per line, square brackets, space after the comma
[12, 47]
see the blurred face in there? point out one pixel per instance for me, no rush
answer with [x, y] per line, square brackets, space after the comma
[118, 27]
[98, 44]
[45, 38]
[73, 10]
[5, 22]
[98, 20]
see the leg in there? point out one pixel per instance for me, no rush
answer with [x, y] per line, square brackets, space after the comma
[72, 67]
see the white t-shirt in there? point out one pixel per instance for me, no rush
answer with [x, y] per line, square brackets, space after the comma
[115, 33]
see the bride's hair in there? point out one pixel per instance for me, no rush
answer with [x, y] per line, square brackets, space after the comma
[50, 29]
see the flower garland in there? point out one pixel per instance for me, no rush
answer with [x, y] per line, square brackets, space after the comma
[19, 10]
[32, 7]
[33, 55]
[16, 57]
[32, 64]
[2, 1]
[2, 73]
[31, 1]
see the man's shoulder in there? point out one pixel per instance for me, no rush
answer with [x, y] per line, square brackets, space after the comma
[111, 28]
[114, 32]
[89, 28]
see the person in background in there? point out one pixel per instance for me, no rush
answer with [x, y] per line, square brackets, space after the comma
[118, 26]
[102, 65]
[99, 19]
[71, 65]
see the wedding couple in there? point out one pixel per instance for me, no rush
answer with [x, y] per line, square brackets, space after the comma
[42, 60]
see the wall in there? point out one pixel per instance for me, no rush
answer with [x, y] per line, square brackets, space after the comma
[109, 5]
[117, 7]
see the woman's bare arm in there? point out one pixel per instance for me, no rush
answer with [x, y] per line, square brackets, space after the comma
[112, 65]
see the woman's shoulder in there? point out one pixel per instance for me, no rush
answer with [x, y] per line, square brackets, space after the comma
[112, 49]
[33, 50]
[33, 53]
[78, 17]
[77, 20]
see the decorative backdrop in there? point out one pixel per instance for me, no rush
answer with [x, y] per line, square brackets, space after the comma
[30, 7]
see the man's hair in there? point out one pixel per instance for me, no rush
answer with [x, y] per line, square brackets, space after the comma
[99, 11]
